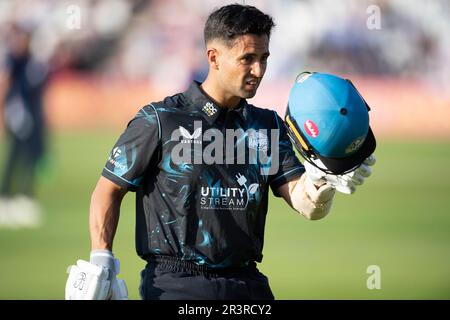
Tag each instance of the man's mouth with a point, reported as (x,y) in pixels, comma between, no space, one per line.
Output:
(252,82)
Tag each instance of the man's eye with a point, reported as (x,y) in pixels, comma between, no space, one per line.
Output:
(247,59)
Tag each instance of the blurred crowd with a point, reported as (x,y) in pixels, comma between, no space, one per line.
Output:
(162,41)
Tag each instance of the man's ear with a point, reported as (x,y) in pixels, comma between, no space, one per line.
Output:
(213,58)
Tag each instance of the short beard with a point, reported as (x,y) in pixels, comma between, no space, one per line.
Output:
(248,95)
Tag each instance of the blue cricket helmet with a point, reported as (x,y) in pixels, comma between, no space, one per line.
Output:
(327,119)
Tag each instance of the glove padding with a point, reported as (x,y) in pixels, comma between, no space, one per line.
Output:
(318,193)
(312,201)
(89,281)
(345,183)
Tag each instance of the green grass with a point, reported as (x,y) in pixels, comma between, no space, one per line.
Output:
(399,220)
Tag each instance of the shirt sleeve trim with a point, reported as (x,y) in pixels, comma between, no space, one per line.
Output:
(129,182)
(286,173)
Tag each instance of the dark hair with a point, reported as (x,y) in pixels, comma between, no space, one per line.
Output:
(234,20)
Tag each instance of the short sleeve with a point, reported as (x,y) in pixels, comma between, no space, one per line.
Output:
(135,151)
(290,167)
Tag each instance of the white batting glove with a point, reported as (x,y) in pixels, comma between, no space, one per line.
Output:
(345,183)
(97,279)
(312,201)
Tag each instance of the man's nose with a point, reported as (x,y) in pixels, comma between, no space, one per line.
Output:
(258,70)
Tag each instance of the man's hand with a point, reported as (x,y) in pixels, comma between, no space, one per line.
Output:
(345,183)
(96,280)
(313,202)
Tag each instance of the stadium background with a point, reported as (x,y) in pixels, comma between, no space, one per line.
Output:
(127,53)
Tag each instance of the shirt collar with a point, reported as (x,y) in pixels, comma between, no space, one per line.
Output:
(204,105)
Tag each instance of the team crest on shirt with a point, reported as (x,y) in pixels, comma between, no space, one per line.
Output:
(258,140)
(209,109)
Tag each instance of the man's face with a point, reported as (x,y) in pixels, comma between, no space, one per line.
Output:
(19,42)
(242,65)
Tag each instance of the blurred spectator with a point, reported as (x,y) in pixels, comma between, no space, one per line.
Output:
(154,40)
(24,124)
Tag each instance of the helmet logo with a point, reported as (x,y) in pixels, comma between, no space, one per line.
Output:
(311,128)
(355,145)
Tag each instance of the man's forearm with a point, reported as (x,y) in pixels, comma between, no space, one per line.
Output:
(104,215)
(4,85)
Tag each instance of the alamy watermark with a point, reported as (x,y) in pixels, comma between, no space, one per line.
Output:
(373,21)
(374,279)
(73,19)
(230,146)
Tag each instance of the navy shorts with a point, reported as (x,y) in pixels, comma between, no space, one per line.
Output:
(168,278)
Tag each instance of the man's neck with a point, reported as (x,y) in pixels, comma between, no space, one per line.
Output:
(218,96)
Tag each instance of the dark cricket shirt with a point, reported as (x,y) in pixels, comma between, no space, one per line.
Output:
(201,175)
